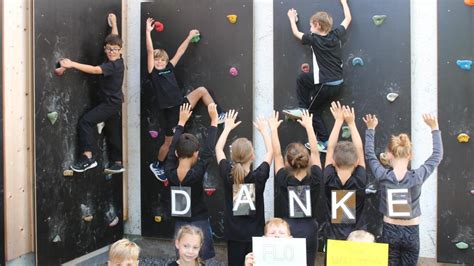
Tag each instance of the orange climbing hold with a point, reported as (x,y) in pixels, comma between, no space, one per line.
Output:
(469,2)
(463,138)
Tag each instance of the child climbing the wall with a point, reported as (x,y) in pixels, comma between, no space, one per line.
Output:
(316,90)
(297,181)
(185,169)
(123,252)
(243,188)
(161,72)
(400,189)
(344,175)
(110,106)
(188,241)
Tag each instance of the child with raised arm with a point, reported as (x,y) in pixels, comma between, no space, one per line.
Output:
(315,90)
(161,72)
(297,180)
(110,106)
(344,173)
(185,169)
(400,189)
(243,189)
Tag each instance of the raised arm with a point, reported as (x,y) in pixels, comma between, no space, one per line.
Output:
(347,14)
(229,125)
(150,59)
(184,114)
(307,122)
(274,124)
(377,169)
(112,20)
(349,117)
(433,161)
(67,63)
(337,113)
(261,125)
(182,48)
(292,14)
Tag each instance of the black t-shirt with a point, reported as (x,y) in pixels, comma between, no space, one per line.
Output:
(328,53)
(283,180)
(174,263)
(166,87)
(253,224)
(111,81)
(357,181)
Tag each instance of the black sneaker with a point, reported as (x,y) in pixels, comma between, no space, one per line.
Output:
(84,164)
(115,168)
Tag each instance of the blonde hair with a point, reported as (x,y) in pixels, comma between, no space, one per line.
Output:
(323,19)
(160,53)
(191,230)
(241,153)
(276,222)
(361,236)
(297,156)
(345,154)
(123,250)
(400,146)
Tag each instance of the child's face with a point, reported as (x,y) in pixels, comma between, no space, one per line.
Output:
(160,63)
(313,27)
(113,52)
(128,262)
(188,247)
(278,231)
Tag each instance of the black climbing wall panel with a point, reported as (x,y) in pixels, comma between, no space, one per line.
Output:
(385,50)
(456,106)
(2,209)
(73,29)
(223,45)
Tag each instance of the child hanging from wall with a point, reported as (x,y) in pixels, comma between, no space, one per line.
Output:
(243,189)
(161,71)
(185,169)
(110,107)
(345,176)
(297,180)
(315,90)
(188,241)
(400,189)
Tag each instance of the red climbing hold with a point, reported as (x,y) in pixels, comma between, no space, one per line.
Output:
(469,2)
(59,70)
(159,27)
(166,183)
(209,191)
(305,68)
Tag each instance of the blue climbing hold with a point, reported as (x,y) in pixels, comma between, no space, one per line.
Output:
(464,64)
(357,61)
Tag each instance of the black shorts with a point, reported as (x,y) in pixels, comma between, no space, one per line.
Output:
(168,118)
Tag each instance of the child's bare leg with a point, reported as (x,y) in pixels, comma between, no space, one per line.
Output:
(199,93)
(88,154)
(164,148)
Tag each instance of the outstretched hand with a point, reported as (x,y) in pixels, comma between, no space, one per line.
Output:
(371,121)
(150,24)
(66,63)
(193,33)
(112,19)
(337,111)
(349,114)
(184,114)
(306,119)
(292,14)
(273,121)
(229,122)
(212,110)
(260,124)
(431,121)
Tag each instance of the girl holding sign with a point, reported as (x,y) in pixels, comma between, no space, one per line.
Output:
(244,212)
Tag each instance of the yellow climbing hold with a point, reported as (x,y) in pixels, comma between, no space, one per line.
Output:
(88,218)
(158,219)
(463,138)
(384,159)
(68,173)
(232,18)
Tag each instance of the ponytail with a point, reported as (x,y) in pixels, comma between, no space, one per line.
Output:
(400,146)
(241,153)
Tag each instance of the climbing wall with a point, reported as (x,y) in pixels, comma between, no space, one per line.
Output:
(2,208)
(74,214)
(223,45)
(456,106)
(385,53)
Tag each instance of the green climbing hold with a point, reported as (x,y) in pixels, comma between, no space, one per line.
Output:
(346,132)
(462,245)
(196,39)
(378,19)
(53,116)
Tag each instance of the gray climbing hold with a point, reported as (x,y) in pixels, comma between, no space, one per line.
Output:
(56,239)
(68,172)
(100,127)
(391,97)
(53,117)
(108,177)
(357,61)
(114,222)
(346,132)
(88,218)
(472,192)
(384,159)
(379,19)
(464,64)
(462,245)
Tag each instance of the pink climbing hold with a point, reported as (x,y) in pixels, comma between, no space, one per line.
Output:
(305,68)
(472,191)
(233,71)
(159,27)
(209,190)
(153,134)
(59,70)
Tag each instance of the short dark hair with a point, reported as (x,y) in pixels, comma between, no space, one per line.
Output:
(187,145)
(113,39)
(345,154)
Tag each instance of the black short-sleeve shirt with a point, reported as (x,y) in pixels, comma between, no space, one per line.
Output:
(166,87)
(111,81)
(254,224)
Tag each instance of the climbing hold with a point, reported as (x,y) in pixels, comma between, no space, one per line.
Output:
(114,222)
(100,127)
(464,64)
(232,18)
(346,132)
(166,183)
(469,2)
(108,176)
(472,192)
(88,218)
(209,190)
(159,27)
(158,219)
(305,68)
(59,70)
(384,159)
(378,19)
(357,61)
(233,71)
(370,189)
(68,173)
(462,245)
(463,138)
(391,97)
(196,39)
(153,134)
(53,116)
(56,239)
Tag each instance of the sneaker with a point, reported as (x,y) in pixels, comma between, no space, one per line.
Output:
(221,118)
(158,171)
(84,164)
(115,168)
(322,146)
(294,113)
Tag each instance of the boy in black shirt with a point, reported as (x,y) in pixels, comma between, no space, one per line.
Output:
(317,89)
(110,107)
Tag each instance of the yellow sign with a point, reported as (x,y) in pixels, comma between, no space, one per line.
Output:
(348,253)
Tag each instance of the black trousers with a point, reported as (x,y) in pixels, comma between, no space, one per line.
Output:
(316,98)
(403,242)
(306,228)
(236,251)
(109,113)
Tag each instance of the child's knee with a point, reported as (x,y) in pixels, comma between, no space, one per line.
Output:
(202,91)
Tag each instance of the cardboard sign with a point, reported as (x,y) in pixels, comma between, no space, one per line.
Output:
(343,206)
(348,253)
(399,203)
(243,202)
(299,198)
(270,251)
(180,201)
